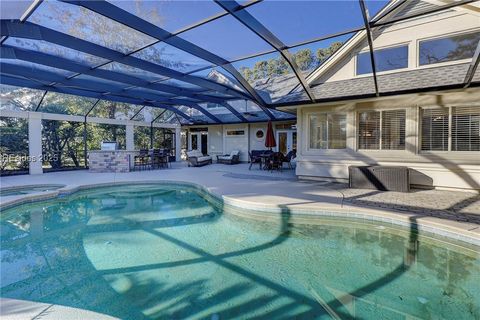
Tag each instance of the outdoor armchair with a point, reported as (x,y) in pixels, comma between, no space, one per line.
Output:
(232,158)
(196,158)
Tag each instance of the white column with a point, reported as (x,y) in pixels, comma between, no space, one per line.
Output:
(178,143)
(130,143)
(35,142)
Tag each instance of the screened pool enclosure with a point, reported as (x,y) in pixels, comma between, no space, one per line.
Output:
(104,70)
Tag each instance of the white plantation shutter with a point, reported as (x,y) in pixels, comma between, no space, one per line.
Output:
(393,130)
(435,129)
(369,130)
(337,131)
(328,131)
(466,128)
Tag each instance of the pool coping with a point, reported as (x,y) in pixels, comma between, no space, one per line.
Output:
(272,212)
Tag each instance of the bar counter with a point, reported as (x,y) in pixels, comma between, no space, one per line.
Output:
(111,160)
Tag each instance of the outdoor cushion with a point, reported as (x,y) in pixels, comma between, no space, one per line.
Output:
(194,153)
(230,157)
(204,158)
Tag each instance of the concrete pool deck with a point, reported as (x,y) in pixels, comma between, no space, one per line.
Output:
(456,211)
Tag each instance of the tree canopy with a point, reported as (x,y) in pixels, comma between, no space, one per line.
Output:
(305,59)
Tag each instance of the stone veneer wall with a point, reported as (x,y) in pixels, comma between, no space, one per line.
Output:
(109,161)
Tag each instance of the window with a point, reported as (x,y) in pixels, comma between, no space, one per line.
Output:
(385,60)
(464,126)
(328,131)
(235,132)
(369,130)
(435,129)
(466,129)
(383,130)
(393,130)
(448,49)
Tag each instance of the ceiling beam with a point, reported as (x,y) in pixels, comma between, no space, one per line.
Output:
(370,44)
(50,77)
(259,29)
(9,52)
(234,111)
(47,76)
(202,110)
(33,31)
(126,18)
(33,6)
(19,82)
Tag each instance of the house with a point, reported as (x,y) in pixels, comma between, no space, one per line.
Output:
(435,133)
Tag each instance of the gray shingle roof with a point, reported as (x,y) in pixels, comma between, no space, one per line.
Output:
(389,83)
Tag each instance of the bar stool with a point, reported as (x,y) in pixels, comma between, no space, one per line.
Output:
(141,160)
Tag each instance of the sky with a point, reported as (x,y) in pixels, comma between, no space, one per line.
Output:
(291,21)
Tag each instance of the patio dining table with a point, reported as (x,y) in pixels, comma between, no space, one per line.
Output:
(264,158)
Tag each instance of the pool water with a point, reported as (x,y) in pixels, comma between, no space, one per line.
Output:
(18,191)
(165,252)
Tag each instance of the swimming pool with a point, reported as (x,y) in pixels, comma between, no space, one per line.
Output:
(18,191)
(166,252)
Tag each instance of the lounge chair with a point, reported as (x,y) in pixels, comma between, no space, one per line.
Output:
(196,158)
(232,158)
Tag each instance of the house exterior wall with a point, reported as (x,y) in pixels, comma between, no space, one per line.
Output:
(409,32)
(215,141)
(239,142)
(443,169)
(257,143)
(219,143)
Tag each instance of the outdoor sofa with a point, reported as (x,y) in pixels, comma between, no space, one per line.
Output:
(232,158)
(196,158)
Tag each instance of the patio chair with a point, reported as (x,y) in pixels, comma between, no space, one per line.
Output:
(164,158)
(155,158)
(275,162)
(289,157)
(232,158)
(141,161)
(255,158)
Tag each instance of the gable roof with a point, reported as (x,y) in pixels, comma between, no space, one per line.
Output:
(400,8)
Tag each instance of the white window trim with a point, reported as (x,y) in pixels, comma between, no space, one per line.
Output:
(380,150)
